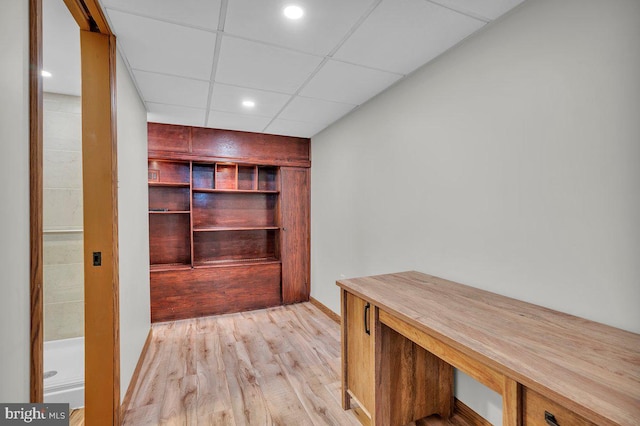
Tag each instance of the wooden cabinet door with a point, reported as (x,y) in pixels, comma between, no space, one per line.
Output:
(359,351)
(294,250)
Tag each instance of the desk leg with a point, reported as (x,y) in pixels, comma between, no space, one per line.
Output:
(346,400)
(511,403)
(410,382)
(381,407)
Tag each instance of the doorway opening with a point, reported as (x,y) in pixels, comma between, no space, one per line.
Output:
(98,211)
(63,266)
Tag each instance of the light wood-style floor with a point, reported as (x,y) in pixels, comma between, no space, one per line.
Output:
(76,418)
(278,366)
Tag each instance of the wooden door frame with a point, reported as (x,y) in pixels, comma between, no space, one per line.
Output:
(36,362)
(102,351)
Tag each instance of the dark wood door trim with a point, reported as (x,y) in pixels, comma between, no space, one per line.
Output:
(79,13)
(88,14)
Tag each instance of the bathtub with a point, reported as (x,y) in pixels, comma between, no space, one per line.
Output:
(65,358)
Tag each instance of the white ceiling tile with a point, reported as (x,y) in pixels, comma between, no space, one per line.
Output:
(164,40)
(152,45)
(314,110)
(166,89)
(401,35)
(294,128)
(323,25)
(171,114)
(488,9)
(229,98)
(346,83)
(230,121)
(248,64)
(200,13)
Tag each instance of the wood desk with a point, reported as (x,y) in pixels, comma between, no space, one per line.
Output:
(402,334)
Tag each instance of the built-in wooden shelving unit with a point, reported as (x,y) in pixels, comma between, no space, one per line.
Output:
(226,235)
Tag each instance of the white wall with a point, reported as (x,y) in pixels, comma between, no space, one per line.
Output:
(511,163)
(14,208)
(133,224)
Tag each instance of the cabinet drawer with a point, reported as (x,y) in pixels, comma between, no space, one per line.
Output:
(537,409)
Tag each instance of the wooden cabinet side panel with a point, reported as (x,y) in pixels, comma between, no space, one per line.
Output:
(295,212)
(359,354)
(210,291)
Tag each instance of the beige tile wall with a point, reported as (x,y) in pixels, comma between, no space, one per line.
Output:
(63,265)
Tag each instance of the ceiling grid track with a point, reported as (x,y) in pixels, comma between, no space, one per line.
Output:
(165,20)
(216,56)
(462,12)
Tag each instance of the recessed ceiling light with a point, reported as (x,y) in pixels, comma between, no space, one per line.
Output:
(293,12)
(45,73)
(247,103)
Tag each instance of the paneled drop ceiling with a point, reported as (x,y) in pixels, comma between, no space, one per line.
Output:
(195,61)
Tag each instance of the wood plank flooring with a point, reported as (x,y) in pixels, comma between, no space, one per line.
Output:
(77,417)
(278,366)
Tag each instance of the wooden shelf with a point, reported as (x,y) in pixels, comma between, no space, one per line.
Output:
(169,267)
(232,177)
(170,212)
(237,262)
(237,191)
(172,198)
(226,175)
(235,228)
(170,184)
(267,178)
(169,239)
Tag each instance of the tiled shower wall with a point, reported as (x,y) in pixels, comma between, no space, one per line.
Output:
(63,263)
